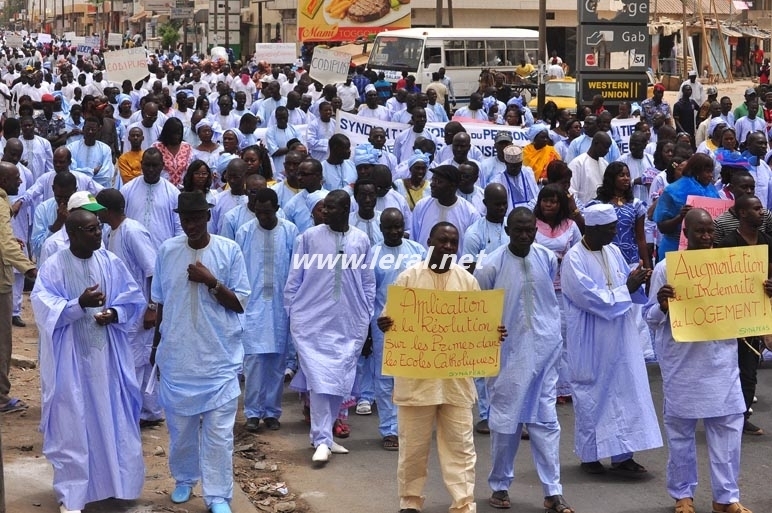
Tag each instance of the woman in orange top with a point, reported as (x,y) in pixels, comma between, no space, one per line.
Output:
(540,152)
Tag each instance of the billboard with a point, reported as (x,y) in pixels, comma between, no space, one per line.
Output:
(347,20)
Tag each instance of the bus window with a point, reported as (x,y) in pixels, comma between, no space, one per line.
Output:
(397,53)
(432,56)
(454,53)
(495,53)
(475,53)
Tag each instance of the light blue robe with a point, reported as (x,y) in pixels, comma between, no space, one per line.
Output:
(88,369)
(371,227)
(524,390)
(330,309)
(45,215)
(89,157)
(521,188)
(38,155)
(604,354)
(42,189)
(201,341)
(284,192)
(338,176)
(153,206)
(297,211)
(268,256)
(226,201)
(276,138)
(429,212)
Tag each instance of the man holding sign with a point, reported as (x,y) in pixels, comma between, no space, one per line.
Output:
(448,402)
(700,381)
(524,391)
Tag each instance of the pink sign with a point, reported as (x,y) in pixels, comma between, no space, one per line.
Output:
(714,207)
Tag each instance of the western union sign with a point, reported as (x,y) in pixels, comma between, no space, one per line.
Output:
(614,87)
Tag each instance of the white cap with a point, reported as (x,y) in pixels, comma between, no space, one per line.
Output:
(599,215)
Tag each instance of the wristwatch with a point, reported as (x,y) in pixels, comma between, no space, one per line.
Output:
(214,290)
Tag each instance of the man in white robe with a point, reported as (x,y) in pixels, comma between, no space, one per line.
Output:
(131,242)
(314,298)
(310,181)
(403,143)
(319,131)
(603,350)
(151,125)
(587,169)
(199,307)
(524,391)
(267,244)
(151,200)
(700,380)
(52,213)
(85,301)
(517,179)
(38,154)
(232,197)
(93,155)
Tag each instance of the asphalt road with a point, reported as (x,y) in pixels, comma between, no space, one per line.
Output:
(365,479)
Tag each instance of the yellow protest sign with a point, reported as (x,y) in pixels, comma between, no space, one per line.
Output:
(719,293)
(442,334)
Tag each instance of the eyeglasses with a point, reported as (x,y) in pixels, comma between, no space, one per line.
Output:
(200,173)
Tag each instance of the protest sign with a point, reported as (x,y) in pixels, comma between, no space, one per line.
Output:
(357,129)
(13,41)
(719,293)
(329,66)
(714,207)
(129,64)
(276,53)
(69,36)
(114,39)
(623,129)
(44,38)
(442,334)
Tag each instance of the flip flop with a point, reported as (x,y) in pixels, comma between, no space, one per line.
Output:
(13,405)
(629,467)
(391,443)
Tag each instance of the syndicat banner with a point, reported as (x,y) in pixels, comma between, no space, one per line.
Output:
(347,20)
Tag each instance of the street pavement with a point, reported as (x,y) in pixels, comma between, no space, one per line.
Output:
(365,479)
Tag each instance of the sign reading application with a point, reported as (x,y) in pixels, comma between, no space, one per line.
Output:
(441,334)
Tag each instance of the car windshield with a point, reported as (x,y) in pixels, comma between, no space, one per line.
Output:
(396,53)
(567,89)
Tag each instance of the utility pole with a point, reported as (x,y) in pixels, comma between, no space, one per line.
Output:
(227,24)
(540,95)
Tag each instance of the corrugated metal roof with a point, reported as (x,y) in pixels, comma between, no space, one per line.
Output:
(673,7)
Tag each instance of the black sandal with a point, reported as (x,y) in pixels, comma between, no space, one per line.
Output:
(630,467)
(556,504)
(500,500)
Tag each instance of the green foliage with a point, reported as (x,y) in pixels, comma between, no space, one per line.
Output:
(170,34)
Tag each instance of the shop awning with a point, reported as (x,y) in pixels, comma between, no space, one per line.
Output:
(137,18)
(730,31)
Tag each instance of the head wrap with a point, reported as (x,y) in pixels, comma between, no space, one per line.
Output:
(418,156)
(599,214)
(536,129)
(714,122)
(222,162)
(366,153)
(732,158)
(315,197)
(122,98)
(239,137)
(488,102)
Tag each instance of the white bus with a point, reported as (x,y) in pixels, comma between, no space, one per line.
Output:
(463,52)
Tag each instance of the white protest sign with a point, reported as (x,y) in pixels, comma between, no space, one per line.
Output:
(623,129)
(276,53)
(69,36)
(114,39)
(13,41)
(329,66)
(44,38)
(130,64)
(78,41)
(357,129)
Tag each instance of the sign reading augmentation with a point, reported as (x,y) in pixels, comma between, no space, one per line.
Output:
(440,334)
(719,293)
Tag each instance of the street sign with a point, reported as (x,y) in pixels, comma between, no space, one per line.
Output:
(617,12)
(181,13)
(622,47)
(217,23)
(614,88)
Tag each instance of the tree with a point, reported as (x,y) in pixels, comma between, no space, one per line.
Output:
(170,34)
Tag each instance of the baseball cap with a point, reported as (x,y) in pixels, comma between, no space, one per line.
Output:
(84,200)
(750,91)
(712,90)
(503,136)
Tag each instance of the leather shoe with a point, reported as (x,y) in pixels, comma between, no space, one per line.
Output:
(272,423)
(220,507)
(181,494)
(482,427)
(336,448)
(253,424)
(18,322)
(322,454)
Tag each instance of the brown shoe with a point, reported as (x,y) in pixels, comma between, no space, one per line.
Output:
(734,507)
(685,505)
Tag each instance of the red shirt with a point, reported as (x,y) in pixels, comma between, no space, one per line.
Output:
(758,55)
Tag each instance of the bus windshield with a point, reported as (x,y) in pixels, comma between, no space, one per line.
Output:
(396,53)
